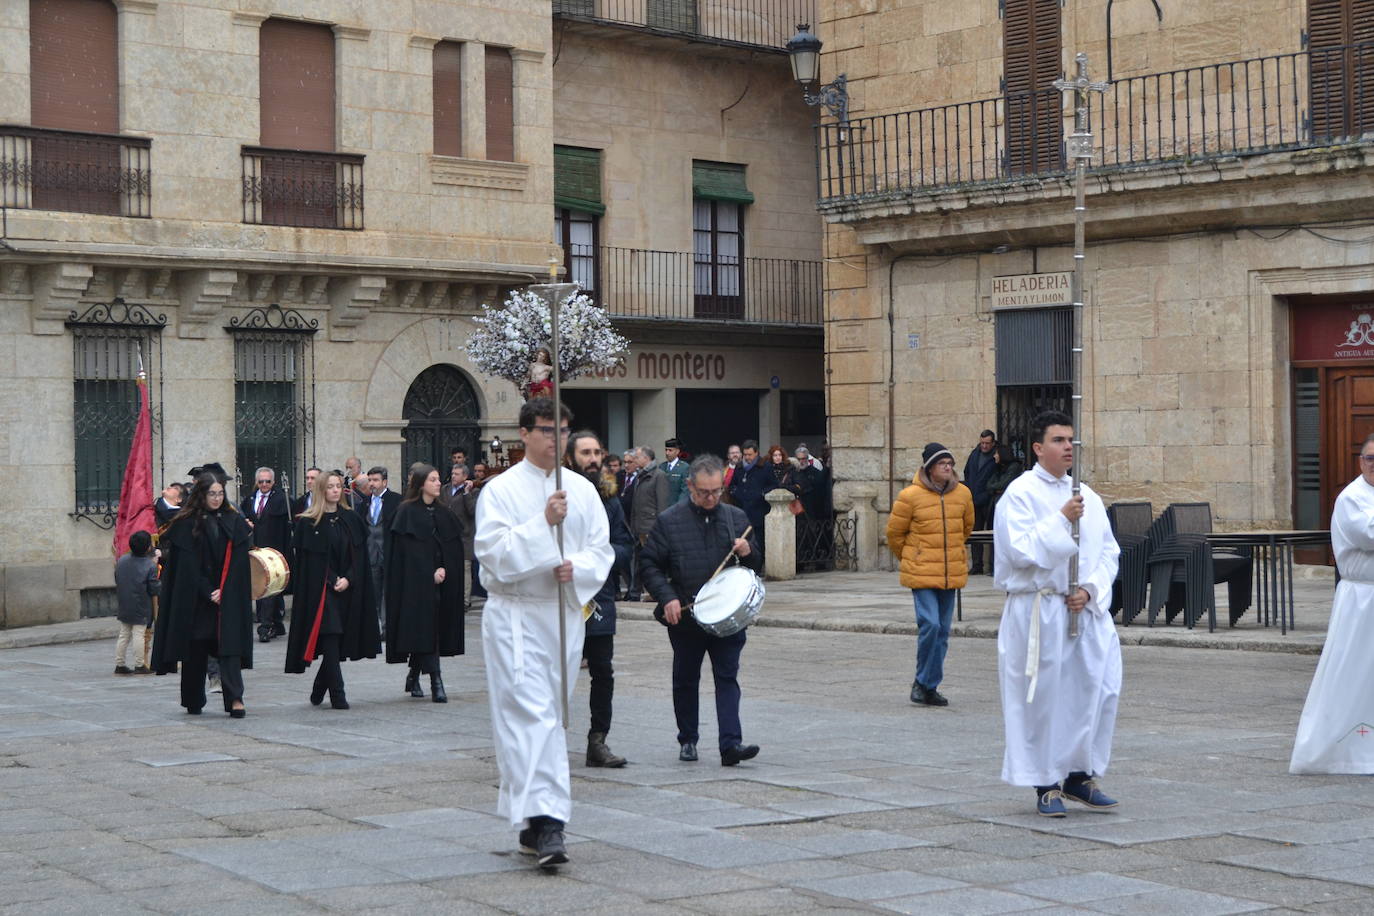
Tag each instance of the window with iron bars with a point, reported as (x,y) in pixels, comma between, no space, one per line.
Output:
(111,343)
(274,393)
(1034,371)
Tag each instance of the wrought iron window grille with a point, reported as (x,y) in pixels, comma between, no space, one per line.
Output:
(75,171)
(274,392)
(111,342)
(442,413)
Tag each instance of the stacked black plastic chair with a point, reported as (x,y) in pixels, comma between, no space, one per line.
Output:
(1184,569)
(1131,525)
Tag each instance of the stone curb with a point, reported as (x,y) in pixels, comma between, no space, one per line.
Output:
(1129,636)
(108,628)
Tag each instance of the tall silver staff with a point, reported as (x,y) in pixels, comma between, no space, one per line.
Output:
(1080,149)
(554,293)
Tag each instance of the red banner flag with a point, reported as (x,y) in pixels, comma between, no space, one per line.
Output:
(136,493)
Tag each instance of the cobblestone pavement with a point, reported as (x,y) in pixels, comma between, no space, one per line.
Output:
(113,801)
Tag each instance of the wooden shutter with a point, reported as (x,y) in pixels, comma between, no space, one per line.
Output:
(1341,67)
(500,87)
(74,65)
(720,181)
(296,74)
(674,15)
(448,99)
(1031,53)
(577,179)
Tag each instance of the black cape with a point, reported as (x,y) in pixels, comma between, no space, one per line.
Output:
(311,575)
(191,571)
(273,527)
(421,617)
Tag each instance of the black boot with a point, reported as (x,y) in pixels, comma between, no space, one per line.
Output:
(598,754)
(436,688)
(413,684)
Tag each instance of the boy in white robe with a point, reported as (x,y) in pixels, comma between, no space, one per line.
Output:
(517,545)
(1059,693)
(1336,731)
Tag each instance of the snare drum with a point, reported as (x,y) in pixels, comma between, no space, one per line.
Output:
(729,602)
(269,572)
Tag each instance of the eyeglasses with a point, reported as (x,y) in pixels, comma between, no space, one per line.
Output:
(1369,458)
(548,430)
(709,494)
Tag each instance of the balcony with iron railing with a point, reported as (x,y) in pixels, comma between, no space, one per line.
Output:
(303,188)
(677,286)
(75,171)
(756,24)
(1284,102)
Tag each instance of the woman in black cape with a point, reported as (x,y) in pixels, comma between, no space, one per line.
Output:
(424,584)
(333,616)
(207,597)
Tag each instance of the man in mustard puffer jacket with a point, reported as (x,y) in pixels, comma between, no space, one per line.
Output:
(929,526)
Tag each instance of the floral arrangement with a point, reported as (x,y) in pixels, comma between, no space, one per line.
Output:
(507,338)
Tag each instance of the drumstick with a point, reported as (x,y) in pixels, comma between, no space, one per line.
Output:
(747,529)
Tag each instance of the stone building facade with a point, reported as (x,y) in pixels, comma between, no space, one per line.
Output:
(288,212)
(1229,266)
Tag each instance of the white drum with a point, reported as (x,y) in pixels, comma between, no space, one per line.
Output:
(729,602)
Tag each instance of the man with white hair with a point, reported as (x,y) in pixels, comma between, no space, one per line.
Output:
(268,515)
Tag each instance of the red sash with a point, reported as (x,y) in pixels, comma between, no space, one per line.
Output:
(219,607)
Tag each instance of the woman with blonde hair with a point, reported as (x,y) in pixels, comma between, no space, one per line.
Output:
(333,616)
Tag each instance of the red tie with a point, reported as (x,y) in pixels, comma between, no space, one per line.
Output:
(262,498)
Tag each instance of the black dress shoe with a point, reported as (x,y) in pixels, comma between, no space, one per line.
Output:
(264,634)
(436,689)
(316,695)
(413,684)
(688,754)
(193,712)
(733,755)
(338,700)
(935,698)
(549,847)
(278,629)
(237,713)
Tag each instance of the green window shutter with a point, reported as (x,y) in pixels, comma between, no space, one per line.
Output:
(577,179)
(720,181)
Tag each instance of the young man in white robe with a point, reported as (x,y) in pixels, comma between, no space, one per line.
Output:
(1336,731)
(1059,693)
(516,542)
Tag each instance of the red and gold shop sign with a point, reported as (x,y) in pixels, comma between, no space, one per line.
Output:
(1330,332)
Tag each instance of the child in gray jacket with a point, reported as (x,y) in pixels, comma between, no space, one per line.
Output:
(136,585)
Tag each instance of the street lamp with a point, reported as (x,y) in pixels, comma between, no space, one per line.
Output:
(804,52)
(496,450)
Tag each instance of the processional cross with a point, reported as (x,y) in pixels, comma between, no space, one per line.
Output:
(1080,150)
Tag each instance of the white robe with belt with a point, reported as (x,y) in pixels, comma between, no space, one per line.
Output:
(1068,725)
(1336,731)
(518,551)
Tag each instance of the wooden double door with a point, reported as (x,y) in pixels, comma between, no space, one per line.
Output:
(1333,415)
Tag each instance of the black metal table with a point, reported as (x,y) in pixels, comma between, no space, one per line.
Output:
(1273,567)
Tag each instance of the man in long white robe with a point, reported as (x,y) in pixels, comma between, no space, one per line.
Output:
(1336,731)
(1059,693)
(517,544)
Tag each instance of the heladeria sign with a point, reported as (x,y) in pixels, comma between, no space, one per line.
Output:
(1031,290)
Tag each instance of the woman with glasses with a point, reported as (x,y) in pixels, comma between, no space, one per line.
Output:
(207,589)
(424,584)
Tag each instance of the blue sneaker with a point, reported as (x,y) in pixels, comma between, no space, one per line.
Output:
(1051,804)
(1086,792)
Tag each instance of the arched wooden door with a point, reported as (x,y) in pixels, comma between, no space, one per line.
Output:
(442,413)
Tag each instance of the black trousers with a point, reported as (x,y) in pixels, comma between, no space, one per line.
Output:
(477,590)
(193,675)
(598,651)
(425,662)
(330,674)
(982,521)
(690,645)
(270,611)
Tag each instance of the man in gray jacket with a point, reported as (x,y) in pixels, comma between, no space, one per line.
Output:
(651,496)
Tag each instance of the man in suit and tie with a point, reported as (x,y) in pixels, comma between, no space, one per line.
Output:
(307,498)
(461,498)
(168,504)
(267,513)
(378,512)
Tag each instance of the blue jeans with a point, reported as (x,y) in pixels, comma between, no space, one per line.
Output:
(934,613)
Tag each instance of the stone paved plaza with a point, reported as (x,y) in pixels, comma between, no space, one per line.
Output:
(114,801)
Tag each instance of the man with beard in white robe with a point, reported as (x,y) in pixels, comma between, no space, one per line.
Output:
(517,545)
(1336,731)
(1059,693)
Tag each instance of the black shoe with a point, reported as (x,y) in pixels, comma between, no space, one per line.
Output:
(237,713)
(316,695)
(918,695)
(338,700)
(193,711)
(436,689)
(413,684)
(631,597)
(528,838)
(123,669)
(143,669)
(733,755)
(599,755)
(278,629)
(548,844)
(935,698)
(264,634)
(688,754)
